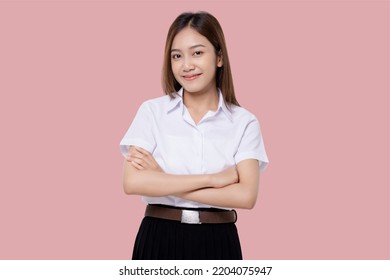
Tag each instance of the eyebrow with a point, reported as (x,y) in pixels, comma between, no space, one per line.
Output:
(192,47)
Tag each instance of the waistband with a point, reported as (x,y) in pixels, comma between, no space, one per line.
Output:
(191,215)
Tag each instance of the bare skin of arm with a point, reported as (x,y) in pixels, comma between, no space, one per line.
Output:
(143,176)
(223,192)
(242,194)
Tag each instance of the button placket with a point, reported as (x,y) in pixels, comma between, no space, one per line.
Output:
(201,149)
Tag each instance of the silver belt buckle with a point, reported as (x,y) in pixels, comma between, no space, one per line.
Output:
(190,217)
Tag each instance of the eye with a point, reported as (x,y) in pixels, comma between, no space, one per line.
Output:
(176,56)
(198,53)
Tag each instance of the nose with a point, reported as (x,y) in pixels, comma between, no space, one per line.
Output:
(188,65)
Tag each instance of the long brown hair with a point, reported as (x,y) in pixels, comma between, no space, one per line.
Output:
(208,26)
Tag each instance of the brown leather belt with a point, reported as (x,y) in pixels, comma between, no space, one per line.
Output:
(192,216)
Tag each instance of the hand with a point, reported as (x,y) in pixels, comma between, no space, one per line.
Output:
(226,177)
(142,159)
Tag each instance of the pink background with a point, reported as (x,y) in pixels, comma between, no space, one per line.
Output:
(316,73)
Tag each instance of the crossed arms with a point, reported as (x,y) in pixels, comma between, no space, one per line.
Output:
(235,187)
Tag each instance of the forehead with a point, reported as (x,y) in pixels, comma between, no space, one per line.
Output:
(188,37)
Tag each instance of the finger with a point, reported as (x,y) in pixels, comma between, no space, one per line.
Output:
(148,155)
(137,155)
(136,165)
(145,155)
(142,151)
(149,161)
(139,161)
(138,152)
(132,149)
(145,162)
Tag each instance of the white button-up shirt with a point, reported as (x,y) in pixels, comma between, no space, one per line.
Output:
(164,127)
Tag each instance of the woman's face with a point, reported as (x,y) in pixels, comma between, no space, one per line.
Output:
(194,61)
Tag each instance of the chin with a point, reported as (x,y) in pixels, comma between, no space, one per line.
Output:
(192,89)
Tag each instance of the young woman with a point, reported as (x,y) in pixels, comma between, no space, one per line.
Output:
(194,154)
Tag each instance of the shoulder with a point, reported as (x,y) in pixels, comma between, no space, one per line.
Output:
(158,101)
(157,104)
(242,115)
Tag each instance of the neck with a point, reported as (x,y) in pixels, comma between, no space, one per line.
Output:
(201,101)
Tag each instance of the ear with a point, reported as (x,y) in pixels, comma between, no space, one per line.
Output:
(219,59)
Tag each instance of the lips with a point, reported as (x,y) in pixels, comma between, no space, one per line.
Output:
(191,77)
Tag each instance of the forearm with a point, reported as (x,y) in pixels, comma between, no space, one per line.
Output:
(232,196)
(153,183)
(237,195)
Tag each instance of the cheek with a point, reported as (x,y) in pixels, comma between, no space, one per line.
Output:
(175,68)
(175,72)
(210,64)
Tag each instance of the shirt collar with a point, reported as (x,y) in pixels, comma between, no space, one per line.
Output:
(223,106)
(174,102)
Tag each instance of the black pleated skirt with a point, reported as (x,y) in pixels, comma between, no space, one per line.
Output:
(161,239)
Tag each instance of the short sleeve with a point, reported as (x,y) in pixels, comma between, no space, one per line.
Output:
(252,145)
(140,132)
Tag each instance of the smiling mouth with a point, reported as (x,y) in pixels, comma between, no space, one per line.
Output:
(191,77)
